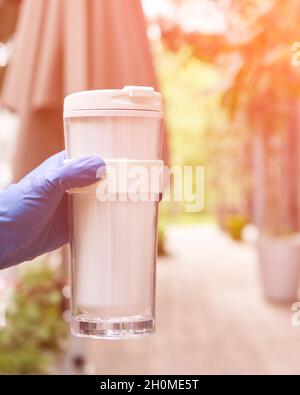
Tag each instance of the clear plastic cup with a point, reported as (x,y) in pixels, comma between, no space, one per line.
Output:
(114,231)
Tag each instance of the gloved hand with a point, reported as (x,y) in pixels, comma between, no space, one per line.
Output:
(34,212)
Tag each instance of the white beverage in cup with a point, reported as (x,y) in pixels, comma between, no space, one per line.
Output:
(113,246)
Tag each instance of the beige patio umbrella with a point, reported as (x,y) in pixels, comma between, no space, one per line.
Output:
(66,46)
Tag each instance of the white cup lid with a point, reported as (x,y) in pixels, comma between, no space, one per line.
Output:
(128,98)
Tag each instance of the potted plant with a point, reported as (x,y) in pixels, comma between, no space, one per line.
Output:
(279,263)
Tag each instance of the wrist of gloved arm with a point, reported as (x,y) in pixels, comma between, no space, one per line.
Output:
(34,212)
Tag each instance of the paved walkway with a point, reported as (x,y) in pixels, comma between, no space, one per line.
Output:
(211,317)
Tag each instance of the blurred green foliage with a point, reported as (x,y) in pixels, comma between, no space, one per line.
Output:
(191,108)
(35,329)
(193,117)
(200,133)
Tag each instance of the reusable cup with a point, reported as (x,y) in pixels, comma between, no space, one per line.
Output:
(114,222)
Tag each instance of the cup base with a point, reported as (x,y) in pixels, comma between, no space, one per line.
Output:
(113,328)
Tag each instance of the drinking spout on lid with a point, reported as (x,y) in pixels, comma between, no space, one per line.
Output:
(139,91)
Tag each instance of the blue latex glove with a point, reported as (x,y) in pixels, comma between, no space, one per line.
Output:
(34,212)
